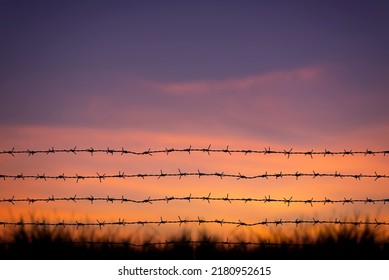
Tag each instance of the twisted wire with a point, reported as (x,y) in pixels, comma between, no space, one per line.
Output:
(199,221)
(167,243)
(208,198)
(189,150)
(200,174)
(208,242)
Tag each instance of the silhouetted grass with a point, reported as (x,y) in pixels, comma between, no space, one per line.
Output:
(329,242)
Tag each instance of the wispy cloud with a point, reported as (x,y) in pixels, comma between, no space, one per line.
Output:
(241,85)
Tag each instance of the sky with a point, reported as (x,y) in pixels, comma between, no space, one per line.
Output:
(170,74)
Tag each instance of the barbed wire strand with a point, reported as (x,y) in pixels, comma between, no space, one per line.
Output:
(189,150)
(193,243)
(204,242)
(199,221)
(200,174)
(208,198)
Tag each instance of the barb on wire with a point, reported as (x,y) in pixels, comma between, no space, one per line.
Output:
(208,150)
(199,221)
(199,174)
(190,198)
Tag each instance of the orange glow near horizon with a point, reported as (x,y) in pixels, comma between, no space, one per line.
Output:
(304,188)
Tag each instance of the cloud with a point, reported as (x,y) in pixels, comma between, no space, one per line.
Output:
(301,105)
(244,84)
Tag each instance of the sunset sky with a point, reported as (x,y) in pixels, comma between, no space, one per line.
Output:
(307,75)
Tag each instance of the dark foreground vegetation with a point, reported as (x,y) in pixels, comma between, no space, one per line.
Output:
(332,243)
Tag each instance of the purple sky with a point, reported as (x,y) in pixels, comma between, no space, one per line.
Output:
(112,64)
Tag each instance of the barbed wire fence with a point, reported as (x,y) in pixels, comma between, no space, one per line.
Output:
(199,174)
(207,198)
(199,221)
(208,150)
